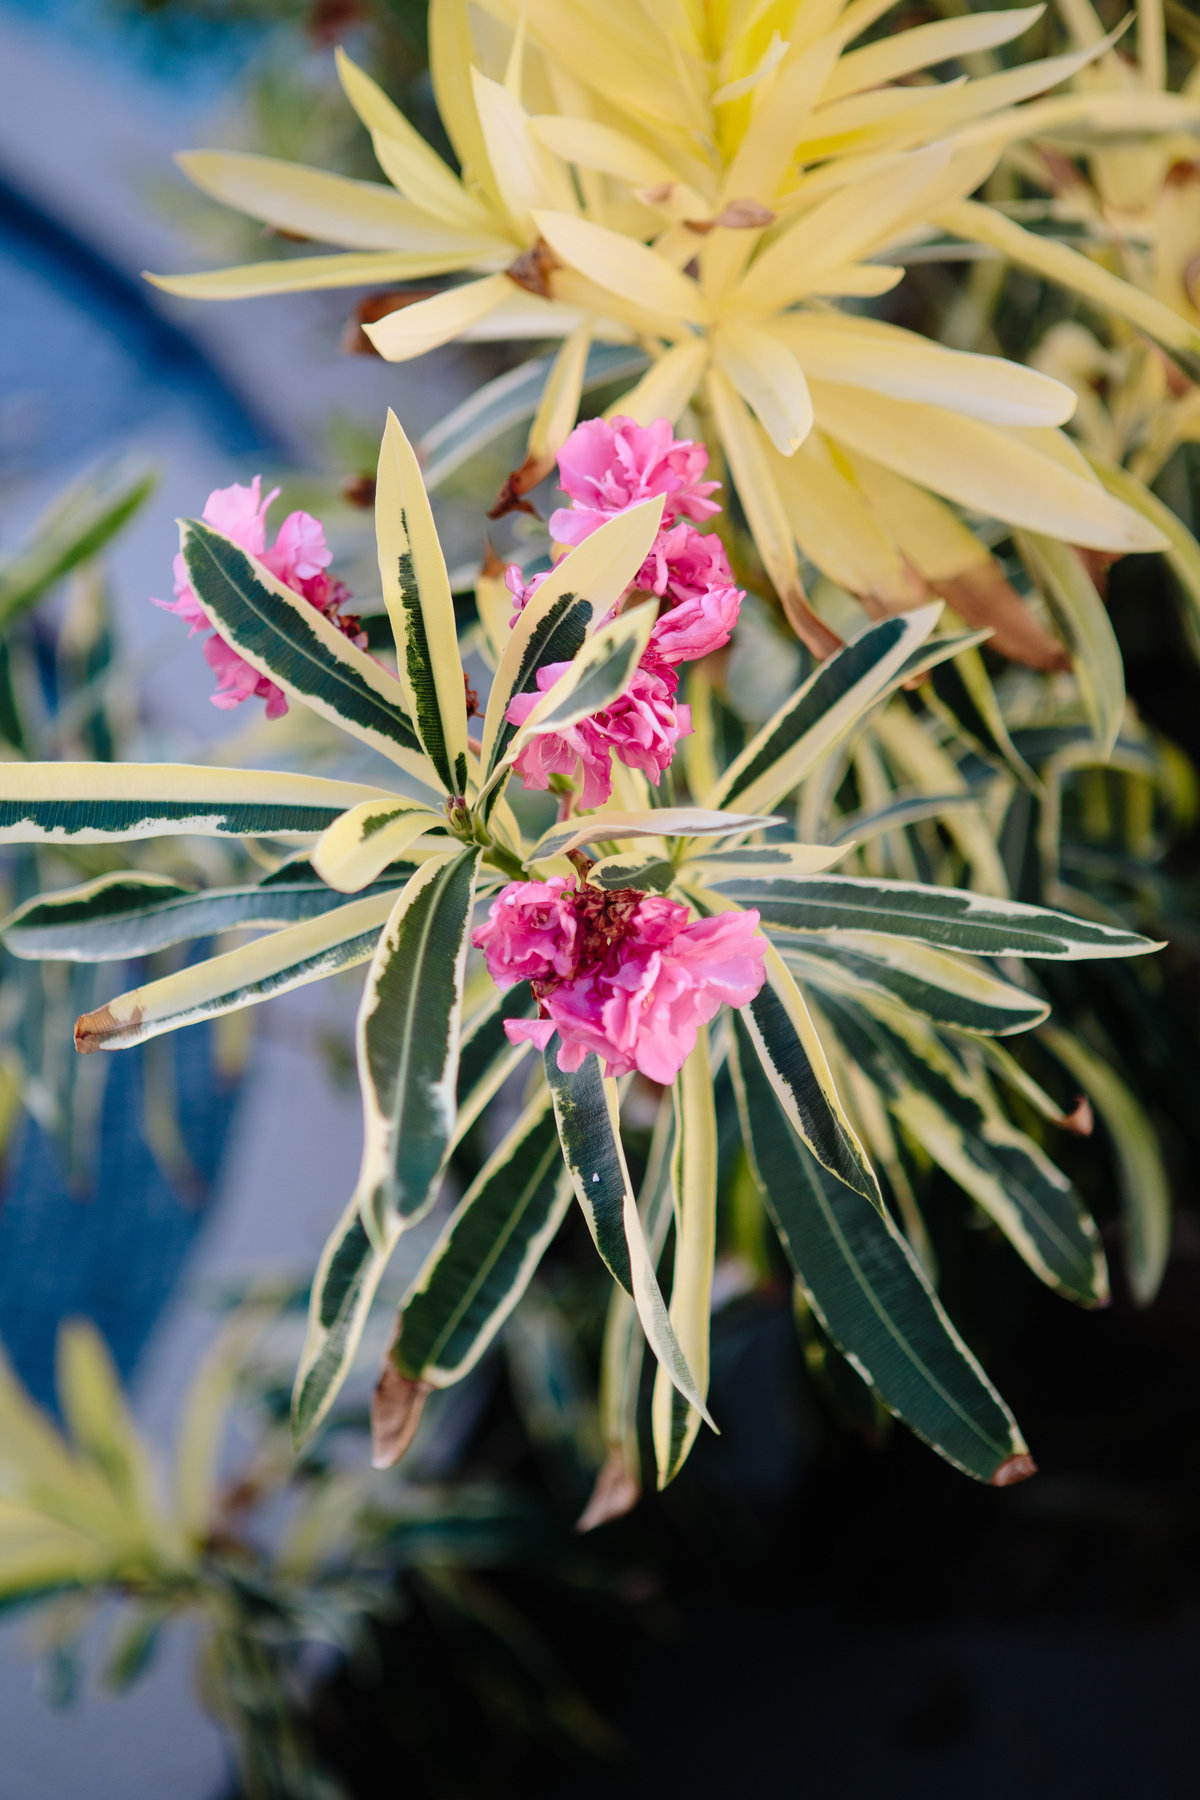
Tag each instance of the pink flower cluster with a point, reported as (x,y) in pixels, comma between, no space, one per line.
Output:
(605,467)
(299,558)
(625,974)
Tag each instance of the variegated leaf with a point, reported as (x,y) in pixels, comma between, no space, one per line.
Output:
(132,914)
(270,965)
(871,1295)
(822,711)
(951,918)
(941,987)
(420,605)
(779,1025)
(285,638)
(964,1131)
(354,850)
(585,1108)
(489,1249)
(409,1025)
(95,803)
(694,1188)
(569,603)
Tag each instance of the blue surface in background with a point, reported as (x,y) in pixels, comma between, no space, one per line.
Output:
(85,358)
(116,1255)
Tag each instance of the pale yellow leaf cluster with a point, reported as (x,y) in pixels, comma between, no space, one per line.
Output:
(710,181)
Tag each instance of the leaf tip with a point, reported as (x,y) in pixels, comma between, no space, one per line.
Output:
(396,1408)
(1015,1468)
(617,1492)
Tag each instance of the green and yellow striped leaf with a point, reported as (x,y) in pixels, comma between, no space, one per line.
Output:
(483,1261)
(575,596)
(822,711)
(351,1266)
(585,1107)
(598,675)
(270,965)
(420,605)
(939,986)
(95,803)
(361,844)
(958,1122)
(612,824)
(780,1027)
(871,1295)
(131,914)
(1082,618)
(409,1026)
(950,918)
(343,1288)
(1141,1173)
(694,1189)
(278,633)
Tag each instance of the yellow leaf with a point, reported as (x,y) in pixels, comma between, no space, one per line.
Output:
(310,274)
(770,380)
(356,215)
(623,266)
(866,353)
(667,386)
(834,233)
(1059,263)
(430,323)
(926,45)
(987,467)
(525,172)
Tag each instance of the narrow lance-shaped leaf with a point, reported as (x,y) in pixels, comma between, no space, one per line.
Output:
(961,1127)
(420,605)
(1082,617)
(786,1041)
(597,676)
(351,1266)
(132,913)
(270,965)
(285,638)
(618,1484)
(952,918)
(613,823)
(871,1296)
(569,602)
(95,803)
(1141,1173)
(694,1187)
(941,987)
(408,1035)
(585,1107)
(78,527)
(821,712)
(355,850)
(482,1263)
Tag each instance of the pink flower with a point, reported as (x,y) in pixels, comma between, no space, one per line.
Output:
(530,932)
(693,628)
(642,727)
(299,558)
(521,590)
(683,562)
(628,976)
(606,465)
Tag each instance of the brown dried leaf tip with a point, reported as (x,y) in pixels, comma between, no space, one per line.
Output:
(373,307)
(533,268)
(617,1491)
(396,1408)
(97,1030)
(1017,1468)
